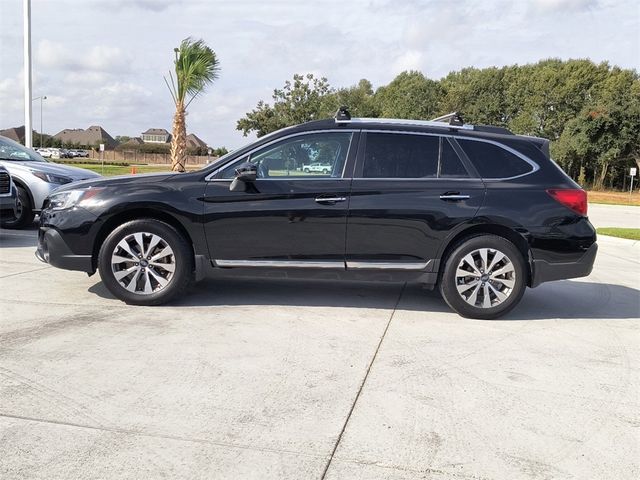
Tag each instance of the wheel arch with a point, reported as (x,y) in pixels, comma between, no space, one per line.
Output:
(22,184)
(519,239)
(136,214)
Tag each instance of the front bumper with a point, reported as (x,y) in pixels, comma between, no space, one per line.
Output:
(52,249)
(544,271)
(8,205)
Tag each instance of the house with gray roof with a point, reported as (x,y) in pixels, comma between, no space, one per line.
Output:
(90,137)
(156,135)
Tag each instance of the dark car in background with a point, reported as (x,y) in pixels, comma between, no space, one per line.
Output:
(476,211)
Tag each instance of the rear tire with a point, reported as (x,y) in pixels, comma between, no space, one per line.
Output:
(24,211)
(146,262)
(484,277)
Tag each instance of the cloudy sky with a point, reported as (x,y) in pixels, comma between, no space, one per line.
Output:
(102,61)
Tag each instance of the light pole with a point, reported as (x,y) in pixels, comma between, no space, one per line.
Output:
(28,141)
(43,97)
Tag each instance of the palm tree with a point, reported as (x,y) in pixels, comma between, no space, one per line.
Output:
(196,66)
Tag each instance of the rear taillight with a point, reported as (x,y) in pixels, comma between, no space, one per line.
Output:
(575,199)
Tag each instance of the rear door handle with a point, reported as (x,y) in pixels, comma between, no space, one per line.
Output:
(330,200)
(454,196)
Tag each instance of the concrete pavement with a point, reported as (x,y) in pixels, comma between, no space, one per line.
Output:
(315,379)
(625,216)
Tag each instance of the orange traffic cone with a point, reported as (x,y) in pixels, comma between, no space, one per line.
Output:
(133,170)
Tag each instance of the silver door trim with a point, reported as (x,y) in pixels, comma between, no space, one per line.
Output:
(455,197)
(281,263)
(374,265)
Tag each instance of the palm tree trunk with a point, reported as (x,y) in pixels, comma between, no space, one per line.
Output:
(179,140)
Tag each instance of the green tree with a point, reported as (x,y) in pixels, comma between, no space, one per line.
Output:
(299,101)
(410,95)
(196,67)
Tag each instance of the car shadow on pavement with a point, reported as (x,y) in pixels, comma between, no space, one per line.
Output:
(567,299)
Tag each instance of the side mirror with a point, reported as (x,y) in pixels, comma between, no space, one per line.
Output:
(245,173)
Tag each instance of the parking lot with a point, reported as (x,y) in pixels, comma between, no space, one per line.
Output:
(315,379)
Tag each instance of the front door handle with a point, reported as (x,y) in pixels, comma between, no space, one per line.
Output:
(454,196)
(330,200)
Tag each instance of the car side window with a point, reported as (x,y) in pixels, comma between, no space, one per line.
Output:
(314,155)
(493,161)
(403,155)
(393,155)
(450,164)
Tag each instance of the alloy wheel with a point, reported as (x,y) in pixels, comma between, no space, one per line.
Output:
(143,263)
(485,277)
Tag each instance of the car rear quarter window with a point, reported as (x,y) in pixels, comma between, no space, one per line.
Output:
(450,164)
(493,161)
(392,155)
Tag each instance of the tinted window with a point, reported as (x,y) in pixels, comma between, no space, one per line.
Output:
(302,156)
(450,164)
(391,155)
(493,161)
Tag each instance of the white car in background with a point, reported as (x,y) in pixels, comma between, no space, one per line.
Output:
(34,178)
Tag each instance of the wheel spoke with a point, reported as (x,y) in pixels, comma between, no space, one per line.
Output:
(120,259)
(120,274)
(147,282)
(496,259)
(131,286)
(469,260)
(163,282)
(169,267)
(507,282)
(473,298)
(508,268)
(484,253)
(152,244)
(464,287)
(486,300)
(460,273)
(501,296)
(163,253)
(139,243)
(125,246)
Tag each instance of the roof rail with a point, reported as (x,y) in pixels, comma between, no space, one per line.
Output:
(399,121)
(454,118)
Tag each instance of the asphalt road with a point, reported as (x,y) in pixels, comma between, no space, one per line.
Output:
(275,379)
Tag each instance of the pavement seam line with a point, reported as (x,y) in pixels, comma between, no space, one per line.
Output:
(364,380)
(125,431)
(22,273)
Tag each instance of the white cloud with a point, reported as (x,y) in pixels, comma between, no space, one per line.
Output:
(564,5)
(102,61)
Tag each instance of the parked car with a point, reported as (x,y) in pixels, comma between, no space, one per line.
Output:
(317,168)
(44,152)
(476,211)
(35,178)
(7,195)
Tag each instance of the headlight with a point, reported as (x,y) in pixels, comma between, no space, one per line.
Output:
(71,198)
(51,178)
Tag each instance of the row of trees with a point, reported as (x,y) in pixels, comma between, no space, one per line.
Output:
(591,112)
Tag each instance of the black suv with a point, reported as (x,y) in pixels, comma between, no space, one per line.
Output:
(475,210)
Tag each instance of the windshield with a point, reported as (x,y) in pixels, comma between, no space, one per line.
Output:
(13,151)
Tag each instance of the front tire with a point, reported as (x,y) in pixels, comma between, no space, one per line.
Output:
(24,211)
(146,262)
(484,277)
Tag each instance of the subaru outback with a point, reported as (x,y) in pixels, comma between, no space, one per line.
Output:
(475,211)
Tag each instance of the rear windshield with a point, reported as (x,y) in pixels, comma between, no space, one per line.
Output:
(493,161)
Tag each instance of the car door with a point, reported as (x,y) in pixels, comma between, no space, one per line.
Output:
(409,191)
(291,216)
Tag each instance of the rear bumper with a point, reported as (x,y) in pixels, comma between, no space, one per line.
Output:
(543,271)
(52,249)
